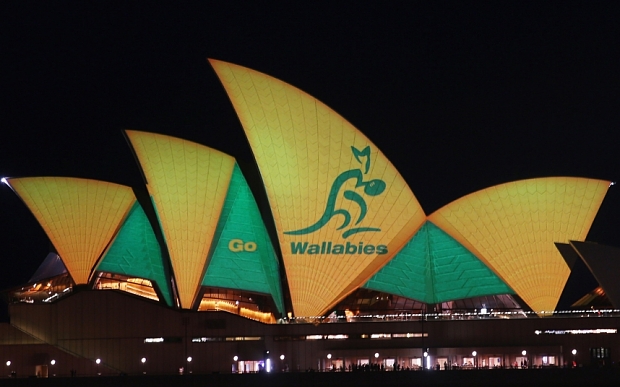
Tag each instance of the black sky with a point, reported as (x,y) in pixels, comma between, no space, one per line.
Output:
(459,95)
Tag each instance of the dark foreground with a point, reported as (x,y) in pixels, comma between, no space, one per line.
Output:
(537,377)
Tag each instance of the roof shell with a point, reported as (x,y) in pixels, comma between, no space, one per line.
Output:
(512,227)
(327,185)
(604,264)
(188,184)
(243,256)
(52,266)
(135,252)
(80,216)
(434,268)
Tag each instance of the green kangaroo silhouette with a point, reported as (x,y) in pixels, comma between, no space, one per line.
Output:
(371,188)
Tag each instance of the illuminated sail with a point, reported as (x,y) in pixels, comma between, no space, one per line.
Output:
(79,216)
(512,227)
(188,183)
(243,257)
(434,268)
(341,209)
(136,252)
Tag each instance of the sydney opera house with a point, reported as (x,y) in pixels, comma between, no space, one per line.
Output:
(327,261)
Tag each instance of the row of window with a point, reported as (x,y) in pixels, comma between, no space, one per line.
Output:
(372,336)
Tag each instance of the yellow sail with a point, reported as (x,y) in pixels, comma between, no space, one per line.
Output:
(188,183)
(512,227)
(341,209)
(80,216)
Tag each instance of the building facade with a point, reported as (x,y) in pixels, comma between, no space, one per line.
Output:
(341,269)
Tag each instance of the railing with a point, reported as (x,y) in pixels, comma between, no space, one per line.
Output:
(381,316)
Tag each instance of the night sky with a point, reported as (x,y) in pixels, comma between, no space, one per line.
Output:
(460,96)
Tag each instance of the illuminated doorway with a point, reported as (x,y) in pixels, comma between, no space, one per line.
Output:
(443,363)
(495,362)
(416,363)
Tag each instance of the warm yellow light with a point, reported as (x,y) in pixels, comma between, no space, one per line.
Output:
(327,185)
(188,183)
(210,304)
(512,227)
(79,216)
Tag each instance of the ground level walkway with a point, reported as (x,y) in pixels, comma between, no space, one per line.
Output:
(497,377)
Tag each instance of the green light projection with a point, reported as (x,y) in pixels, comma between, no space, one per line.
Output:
(433,268)
(135,252)
(243,257)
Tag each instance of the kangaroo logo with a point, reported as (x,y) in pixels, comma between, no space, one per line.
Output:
(371,188)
